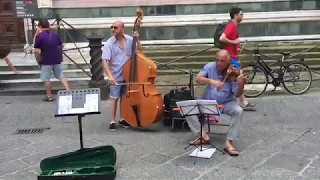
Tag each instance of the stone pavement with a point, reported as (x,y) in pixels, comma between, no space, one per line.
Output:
(279,141)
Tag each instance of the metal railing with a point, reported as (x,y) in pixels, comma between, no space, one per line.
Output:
(207,42)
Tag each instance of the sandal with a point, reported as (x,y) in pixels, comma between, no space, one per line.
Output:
(47,98)
(197,142)
(231,151)
(249,107)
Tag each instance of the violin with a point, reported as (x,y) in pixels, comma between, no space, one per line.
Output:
(230,73)
(142,104)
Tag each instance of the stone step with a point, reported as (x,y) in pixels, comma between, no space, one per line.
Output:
(162,70)
(35,74)
(187,50)
(27,82)
(312,57)
(263,50)
(35,83)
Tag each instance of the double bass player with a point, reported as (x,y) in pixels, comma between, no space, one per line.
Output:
(115,53)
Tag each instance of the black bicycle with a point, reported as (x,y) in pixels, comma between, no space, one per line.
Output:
(286,72)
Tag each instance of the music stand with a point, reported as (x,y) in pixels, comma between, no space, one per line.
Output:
(80,102)
(200,108)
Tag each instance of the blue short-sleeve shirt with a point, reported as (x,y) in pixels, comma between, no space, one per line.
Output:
(50,48)
(116,55)
(211,92)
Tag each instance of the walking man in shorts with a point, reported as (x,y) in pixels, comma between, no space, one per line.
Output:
(49,44)
(232,41)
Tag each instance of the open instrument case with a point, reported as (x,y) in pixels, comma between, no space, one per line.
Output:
(96,163)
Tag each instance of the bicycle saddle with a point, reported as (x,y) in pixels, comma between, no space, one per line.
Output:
(285,53)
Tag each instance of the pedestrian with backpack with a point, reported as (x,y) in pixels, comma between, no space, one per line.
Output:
(226,37)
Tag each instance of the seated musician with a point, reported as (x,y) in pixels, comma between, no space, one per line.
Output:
(225,94)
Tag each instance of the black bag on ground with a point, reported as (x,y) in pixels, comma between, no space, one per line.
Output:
(170,99)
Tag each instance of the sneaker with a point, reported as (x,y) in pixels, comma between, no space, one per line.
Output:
(113,126)
(124,123)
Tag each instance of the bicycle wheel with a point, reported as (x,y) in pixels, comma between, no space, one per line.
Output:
(255,73)
(295,75)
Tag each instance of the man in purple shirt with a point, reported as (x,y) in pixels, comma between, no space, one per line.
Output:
(115,53)
(225,94)
(50,45)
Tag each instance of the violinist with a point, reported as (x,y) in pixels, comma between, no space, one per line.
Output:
(224,91)
(116,51)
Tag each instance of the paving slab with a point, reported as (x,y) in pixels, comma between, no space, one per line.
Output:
(278,141)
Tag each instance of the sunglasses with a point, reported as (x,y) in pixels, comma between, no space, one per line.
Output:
(114,27)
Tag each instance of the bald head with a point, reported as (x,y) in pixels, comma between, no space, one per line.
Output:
(119,23)
(117,29)
(222,59)
(224,54)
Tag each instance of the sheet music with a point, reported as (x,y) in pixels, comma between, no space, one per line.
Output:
(190,107)
(77,111)
(91,104)
(65,104)
(208,106)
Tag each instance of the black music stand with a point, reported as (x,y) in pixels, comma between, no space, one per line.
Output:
(79,102)
(200,108)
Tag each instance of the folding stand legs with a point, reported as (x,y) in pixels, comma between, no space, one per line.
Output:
(80,130)
(201,138)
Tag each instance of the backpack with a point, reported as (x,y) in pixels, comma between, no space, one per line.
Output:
(170,99)
(217,34)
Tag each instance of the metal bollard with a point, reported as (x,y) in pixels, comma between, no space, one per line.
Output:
(97,79)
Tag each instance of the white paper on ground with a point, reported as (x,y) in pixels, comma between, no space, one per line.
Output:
(205,153)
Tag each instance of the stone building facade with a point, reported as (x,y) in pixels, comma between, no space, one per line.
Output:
(127,8)
(114,8)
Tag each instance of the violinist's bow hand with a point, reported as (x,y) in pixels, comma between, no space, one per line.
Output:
(241,79)
(136,34)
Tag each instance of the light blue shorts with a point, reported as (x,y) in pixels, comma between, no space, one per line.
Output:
(116,91)
(235,62)
(46,72)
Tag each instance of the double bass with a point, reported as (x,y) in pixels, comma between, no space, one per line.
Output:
(142,104)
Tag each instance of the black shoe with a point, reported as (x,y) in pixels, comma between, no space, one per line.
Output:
(124,123)
(113,126)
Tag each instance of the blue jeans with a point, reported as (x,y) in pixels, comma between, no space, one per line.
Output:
(235,62)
